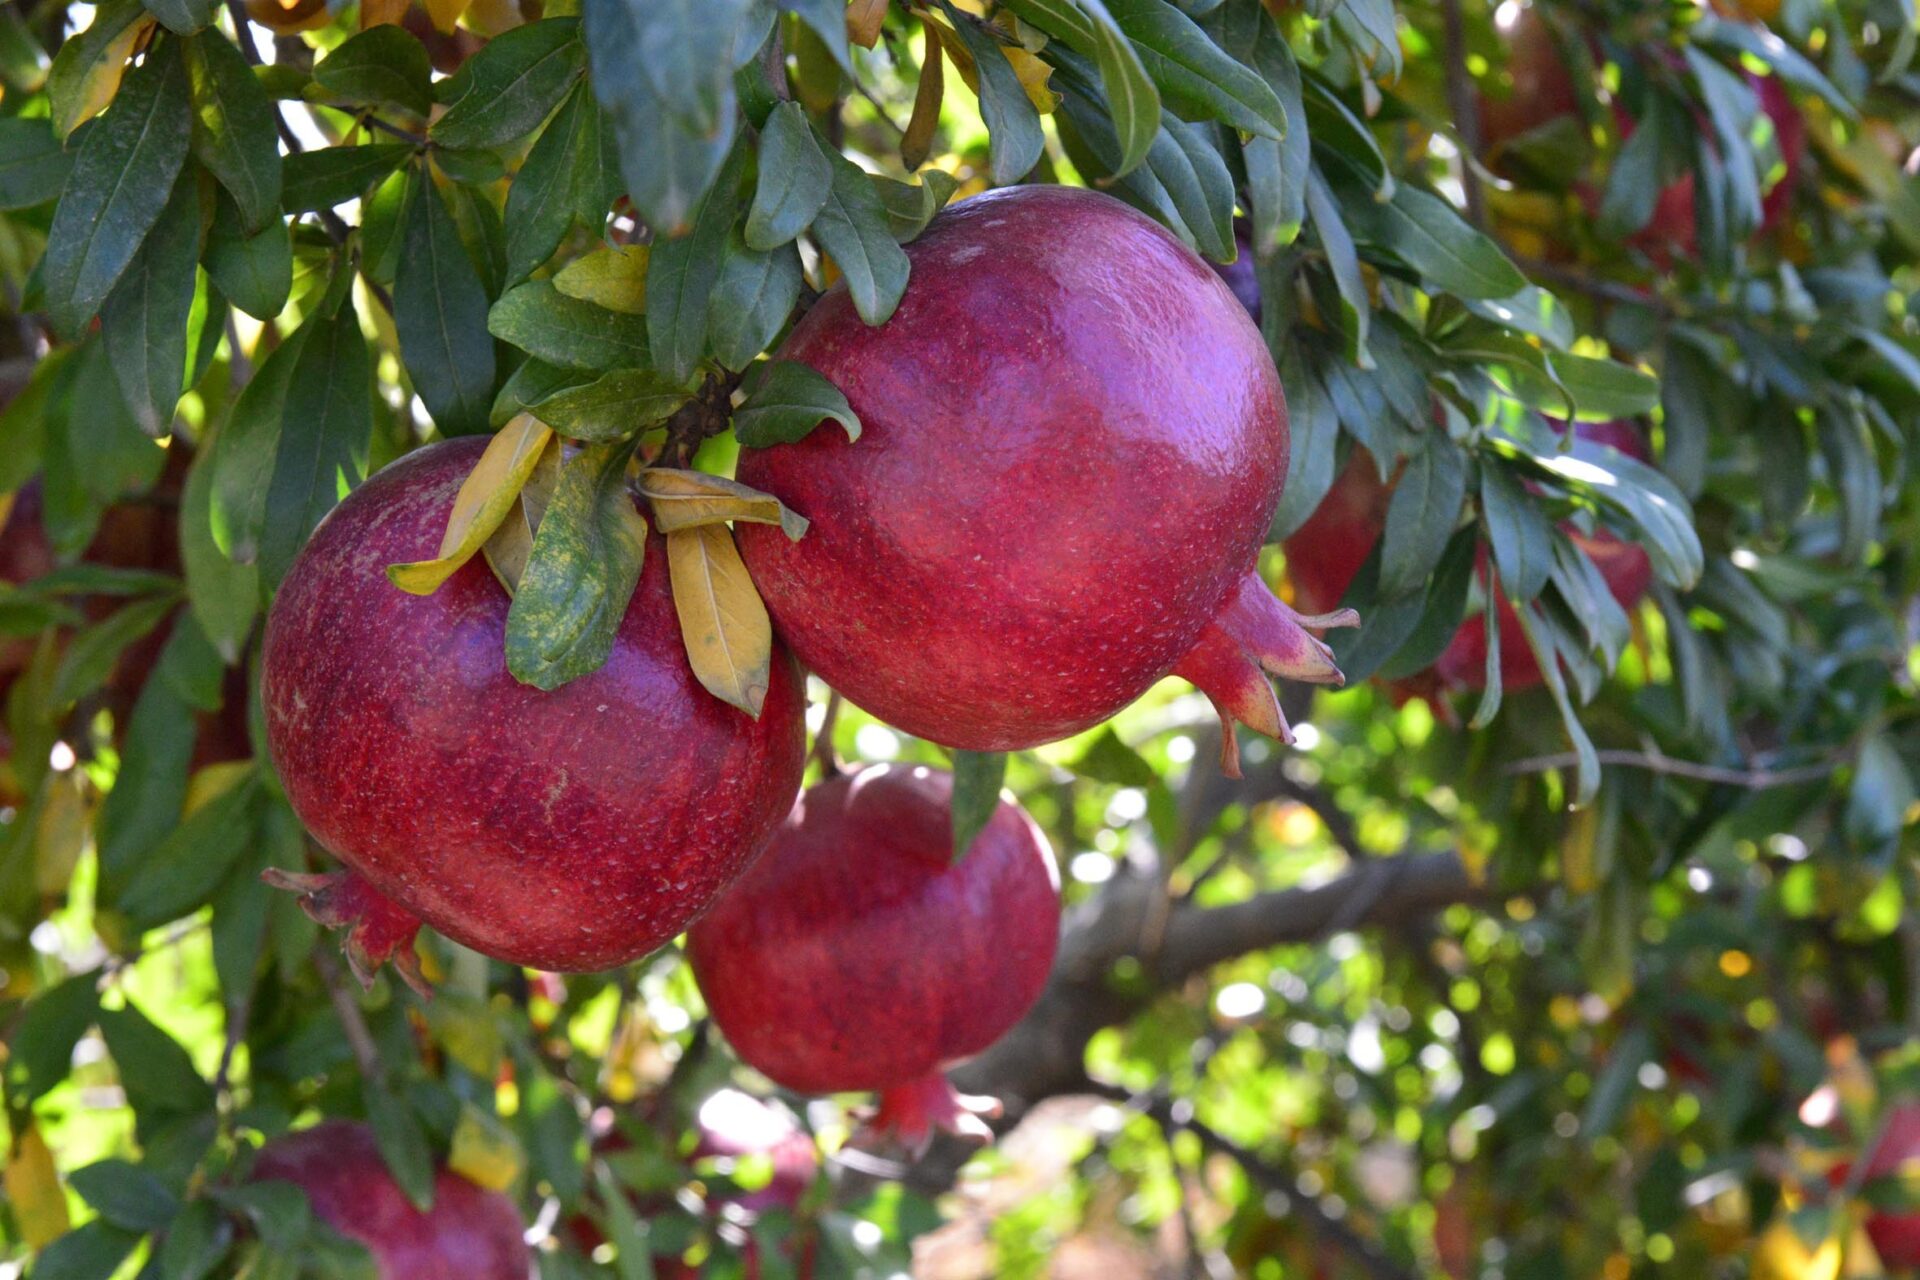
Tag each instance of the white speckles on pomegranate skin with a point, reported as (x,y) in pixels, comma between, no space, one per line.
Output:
(567,830)
(1074,438)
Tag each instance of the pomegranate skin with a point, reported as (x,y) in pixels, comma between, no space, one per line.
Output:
(856,954)
(469,1234)
(572,830)
(1074,438)
(1326,552)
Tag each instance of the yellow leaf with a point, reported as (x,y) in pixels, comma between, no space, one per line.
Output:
(961,56)
(614,278)
(62,834)
(102,80)
(1576,850)
(494,17)
(375,12)
(918,140)
(485,1152)
(445,13)
(507,550)
(33,1186)
(722,620)
(6,508)
(863,21)
(1033,75)
(212,782)
(484,499)
(464,1026)
(284,17)
(690,499)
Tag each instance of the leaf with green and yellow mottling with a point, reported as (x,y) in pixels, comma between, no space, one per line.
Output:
(33,1188)
(723,621)
(692,499)
(614,277)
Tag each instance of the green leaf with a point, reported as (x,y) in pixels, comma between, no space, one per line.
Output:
(1421,515)
(977,779)
(1854,473)
(1195,76)
(1341,139)
(126,1195)
(1587,772)
(255,272)
(786,402)
(90,658)
(580,574)
(1133,103)
(911,206)
(1446,605)
(233,127)
(71,81)
(144,322)
(244,453)
(181,873)
(532,383)
(1521,536)
(668,157)
(403,1143)
(852,226)
(325,426)
(40,1052)
(224,596)
(514,82)
(1429,235)
(1635,180)
(681,274)
(1013,123)
(1315,429)
(182,17)
(794,182)
(1604,390)
(158,1077)
(616,405)
(197,1241)
(542,202)
(1276,169)
(86,1253)
(33,164)
(278,1212)
(542,321)
(1343,262)
(1787,62)
(121,181)
(144,805)
(751,300)
(323,179)
(440,312)
(381,66)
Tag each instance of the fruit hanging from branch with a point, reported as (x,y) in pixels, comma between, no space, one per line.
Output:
(470,1233)
(1074,439)
(571,829)
(858,954)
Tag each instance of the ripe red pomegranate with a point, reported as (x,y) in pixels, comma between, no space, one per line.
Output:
(1074,439)
(469,1234)
(1895,1235)
(570,830)
(857,954)
(1325,553)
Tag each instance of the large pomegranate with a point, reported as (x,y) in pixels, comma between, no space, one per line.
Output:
(858,954)
(1895,1235)
(1074,438)
(469,1234)
(1325,553)
(570,830)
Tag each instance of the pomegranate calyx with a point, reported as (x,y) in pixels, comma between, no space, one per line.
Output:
(378,930)
(1255,635)
(910,1113)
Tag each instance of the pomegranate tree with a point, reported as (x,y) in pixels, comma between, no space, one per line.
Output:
(1074,439)
(470,1233)
(571,830)
(858,954)
(1326,552)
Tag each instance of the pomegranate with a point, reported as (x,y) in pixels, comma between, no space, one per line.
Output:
(469,1234)
(1325,553)
(858,954)
(1074,439)
(1895,1234)
(569,830)
(1242,274)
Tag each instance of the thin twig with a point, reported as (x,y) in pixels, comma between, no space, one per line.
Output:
(354,1023)
(1752,779)
(1466,115)
(823,738)
(368,119)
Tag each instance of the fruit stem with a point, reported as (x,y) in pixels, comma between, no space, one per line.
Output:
(378,930)
(910,1113)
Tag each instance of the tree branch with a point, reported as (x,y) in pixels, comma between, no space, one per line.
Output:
(365,1052)
(1752,779)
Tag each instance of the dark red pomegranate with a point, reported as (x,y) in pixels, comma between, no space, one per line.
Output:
(1325,553)
(1242,274)
(1895,1235)
(858,955)
(1074,439)
(469,1234)
(570,830)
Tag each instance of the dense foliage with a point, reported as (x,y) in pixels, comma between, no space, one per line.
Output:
(1614,975)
